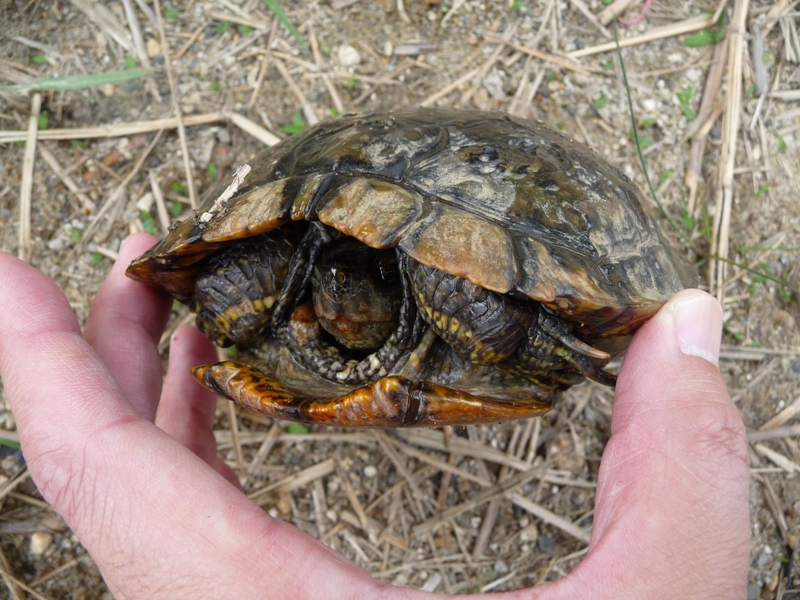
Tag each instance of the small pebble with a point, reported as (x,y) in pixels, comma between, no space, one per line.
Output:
(153,47)
(546,544)
(348,56)
(370,471)
(40,541)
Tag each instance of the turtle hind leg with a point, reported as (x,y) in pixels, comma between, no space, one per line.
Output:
(551,347)
(388,402)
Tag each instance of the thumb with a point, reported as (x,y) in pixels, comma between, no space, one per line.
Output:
(671,514)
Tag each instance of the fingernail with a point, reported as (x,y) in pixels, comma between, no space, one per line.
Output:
(698,325)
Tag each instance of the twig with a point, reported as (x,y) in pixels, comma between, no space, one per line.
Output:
(26,188)
(487,66)
(610,12)
(444,91)
(584,10)
(105,20)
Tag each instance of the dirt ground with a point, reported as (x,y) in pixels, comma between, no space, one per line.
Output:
(234,57)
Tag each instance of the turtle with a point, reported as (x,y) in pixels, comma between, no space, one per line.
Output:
(417,267)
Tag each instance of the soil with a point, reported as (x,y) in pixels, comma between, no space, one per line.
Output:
(374,59)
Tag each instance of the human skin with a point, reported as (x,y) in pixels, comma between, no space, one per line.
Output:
(128,458)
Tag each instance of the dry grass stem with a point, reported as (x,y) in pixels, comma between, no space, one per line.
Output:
(118,192)
(57,571)
(161,206)
(609,13)
(434,440)
(446,89)
(166,337)
(106,21)
(294,481)
(659,33)
(121,130)
(10,485)
(774,434)
(347,486)
(550,517)
(777,458)
(192,39)
(252,129)
(783,416)
(26,186)
(308,110)
(65,178)
(136,33)
(555,60)
(481,498)
(176,105)
(586,12)
(727,160)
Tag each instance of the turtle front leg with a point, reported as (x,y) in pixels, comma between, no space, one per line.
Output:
(388,402)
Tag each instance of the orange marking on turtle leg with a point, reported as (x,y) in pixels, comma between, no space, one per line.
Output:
(388,402)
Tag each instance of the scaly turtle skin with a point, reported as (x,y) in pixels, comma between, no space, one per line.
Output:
(418,267)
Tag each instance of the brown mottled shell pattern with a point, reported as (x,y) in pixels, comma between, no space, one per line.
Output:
(509,204)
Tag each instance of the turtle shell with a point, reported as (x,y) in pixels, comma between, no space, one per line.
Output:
(508,204)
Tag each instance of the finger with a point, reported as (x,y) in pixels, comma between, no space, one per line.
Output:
(671,514)
(124,325)
(151,513)
(186,410)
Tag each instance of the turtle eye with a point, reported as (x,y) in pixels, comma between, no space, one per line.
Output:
(339,277)
(328,277)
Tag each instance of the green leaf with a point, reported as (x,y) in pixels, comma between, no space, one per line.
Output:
(244,29)
(683,100)
(296,428)
(212,170)
(665,175)
(608,65)
(761,190)
(781,142)
(177,208)
(130,62)
(704,38)
(214,86)
(335,113)
(97,257)
(77,82)
(43,120)
(80,143)
(9,443)
(176,304)
(222,27)
(296,126)
(148,223)
(74,234)
(39,59)
(275,7)
(517,4)
(648,122)
(179,187)
(600,102)
(231,351)
(351,82)
(688,220)
(170,13)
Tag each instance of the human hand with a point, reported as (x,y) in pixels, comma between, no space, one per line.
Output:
(133,469)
